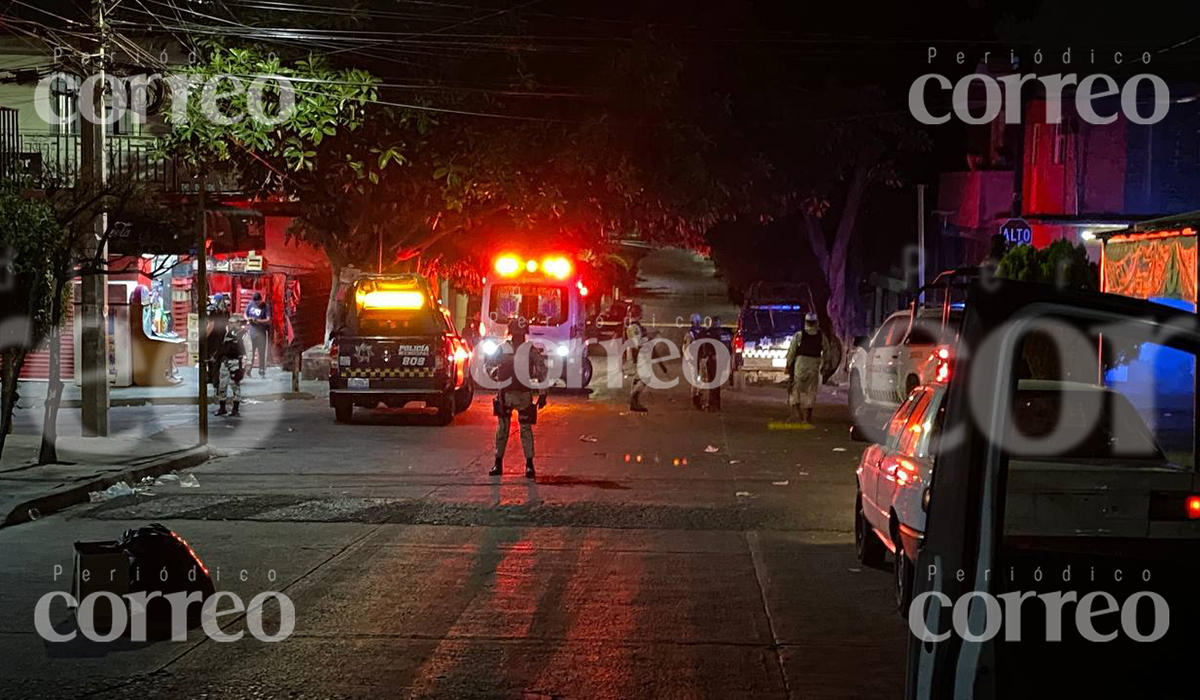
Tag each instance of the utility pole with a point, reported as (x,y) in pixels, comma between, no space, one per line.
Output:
(921,241)
(202,308)
(93,342)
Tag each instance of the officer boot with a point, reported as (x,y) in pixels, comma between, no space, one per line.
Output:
(635,405)
(529,472)
(221,409)
(235,408)
(498,468)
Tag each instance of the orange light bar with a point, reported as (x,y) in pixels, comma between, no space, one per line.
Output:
(392,300)
(507,266)
(557,267)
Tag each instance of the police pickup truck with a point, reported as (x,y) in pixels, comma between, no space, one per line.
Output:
(398,345)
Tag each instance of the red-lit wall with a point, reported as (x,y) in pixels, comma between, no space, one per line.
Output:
(1073,169)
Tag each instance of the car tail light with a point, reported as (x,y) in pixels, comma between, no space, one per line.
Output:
(482,329)
(1174,506)
(739,343)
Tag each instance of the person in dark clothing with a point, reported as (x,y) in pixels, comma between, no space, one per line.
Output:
(711,368)
(260,326)
(515,395)
(218,325)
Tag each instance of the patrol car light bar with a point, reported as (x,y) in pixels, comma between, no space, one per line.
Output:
(392,300)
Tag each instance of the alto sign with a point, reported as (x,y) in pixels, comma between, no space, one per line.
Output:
(1017,232)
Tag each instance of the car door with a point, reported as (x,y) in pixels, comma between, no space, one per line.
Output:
(899,469)
(875,460)
(881,360)
(965,516)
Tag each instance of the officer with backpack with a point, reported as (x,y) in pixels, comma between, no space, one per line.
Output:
(516,392)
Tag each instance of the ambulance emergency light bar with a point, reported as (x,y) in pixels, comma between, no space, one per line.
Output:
(557,267)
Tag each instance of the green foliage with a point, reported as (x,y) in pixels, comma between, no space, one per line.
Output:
(29,234)
(1061,263)
(327,101)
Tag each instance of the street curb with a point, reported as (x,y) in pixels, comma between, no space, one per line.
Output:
(191,400)
(66,496)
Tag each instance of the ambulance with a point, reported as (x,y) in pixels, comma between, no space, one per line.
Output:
(548,293)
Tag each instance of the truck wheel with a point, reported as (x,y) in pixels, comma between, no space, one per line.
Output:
(586,374)
(856,395)
(343,411)
(445,409)
(464,396)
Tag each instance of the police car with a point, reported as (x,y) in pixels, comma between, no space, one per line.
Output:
(398,346)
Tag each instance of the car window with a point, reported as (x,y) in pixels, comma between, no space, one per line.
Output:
(900,417)
(913,433)
(891,332)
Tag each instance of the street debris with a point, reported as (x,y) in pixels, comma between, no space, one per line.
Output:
(803,473)
(588,438)
(839,449)
(735,461)
(33,514)
(189,482)
(166,479)
(742,494)
(712,448)
(780,483)
(115,491)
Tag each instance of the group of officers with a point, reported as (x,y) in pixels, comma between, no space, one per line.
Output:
(709,369)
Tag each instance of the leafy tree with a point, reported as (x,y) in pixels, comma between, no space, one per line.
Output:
(29,234)
(1062,263)
(315,158)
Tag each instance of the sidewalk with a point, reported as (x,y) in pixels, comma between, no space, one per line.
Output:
(276,386)
(28,491)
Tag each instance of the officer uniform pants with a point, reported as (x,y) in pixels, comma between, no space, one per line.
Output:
(522,403)
(225,379)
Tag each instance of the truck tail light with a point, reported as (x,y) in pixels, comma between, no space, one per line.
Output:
(739,343)
(1192,506)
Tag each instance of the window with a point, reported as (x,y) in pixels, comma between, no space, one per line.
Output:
(913,434)
(540,304)
(1061,131)
(900,417)
(891,332)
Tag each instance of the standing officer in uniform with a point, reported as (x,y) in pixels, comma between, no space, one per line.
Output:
(804,367)
(635,337)
(710,362)
(231,356)
(516,396)
(691,361)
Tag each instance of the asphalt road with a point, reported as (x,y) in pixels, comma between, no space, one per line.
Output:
(674,554)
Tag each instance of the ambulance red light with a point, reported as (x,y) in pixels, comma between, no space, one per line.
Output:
(531,266)
(507,266)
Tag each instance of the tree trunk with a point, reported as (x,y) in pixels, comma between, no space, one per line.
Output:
(11,362)
(48,452)
(332,308)
(843,305)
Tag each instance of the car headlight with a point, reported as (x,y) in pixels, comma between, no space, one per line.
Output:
(562,351)
(489,347)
